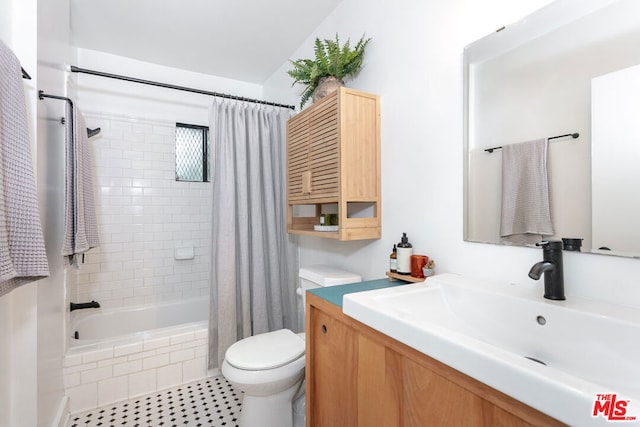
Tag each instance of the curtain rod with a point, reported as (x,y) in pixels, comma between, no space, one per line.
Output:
(43,95)
(572,135)
(75,69)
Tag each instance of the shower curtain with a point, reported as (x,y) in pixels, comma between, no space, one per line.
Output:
(253,259)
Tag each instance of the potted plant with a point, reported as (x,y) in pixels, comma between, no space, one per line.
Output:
(429,269)
(332,64)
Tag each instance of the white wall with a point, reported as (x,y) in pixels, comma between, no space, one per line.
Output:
(414,63)
(54,51)
(6,26)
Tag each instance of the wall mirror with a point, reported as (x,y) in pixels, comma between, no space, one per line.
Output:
(571,67)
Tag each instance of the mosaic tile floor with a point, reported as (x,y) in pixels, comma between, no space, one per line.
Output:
(208,402)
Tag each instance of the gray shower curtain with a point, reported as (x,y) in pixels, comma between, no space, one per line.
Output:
(253,259)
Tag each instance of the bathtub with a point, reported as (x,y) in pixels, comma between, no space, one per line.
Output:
(135,323)
(127,352)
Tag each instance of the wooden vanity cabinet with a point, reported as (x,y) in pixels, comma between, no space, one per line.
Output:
(357,376)
(333,159)
(334,348)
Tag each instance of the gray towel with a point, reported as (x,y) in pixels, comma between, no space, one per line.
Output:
(81,227)
(526,210)
(22,253)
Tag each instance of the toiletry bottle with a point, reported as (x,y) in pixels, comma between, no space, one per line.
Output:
(405,250)
(393,260)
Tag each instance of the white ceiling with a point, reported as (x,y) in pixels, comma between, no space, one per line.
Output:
(245,40)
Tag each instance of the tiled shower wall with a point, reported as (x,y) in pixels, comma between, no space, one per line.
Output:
(143,215)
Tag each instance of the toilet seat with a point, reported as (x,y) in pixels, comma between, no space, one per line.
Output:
(266,351)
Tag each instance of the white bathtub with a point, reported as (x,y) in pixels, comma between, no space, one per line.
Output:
(135,323)
(127,352)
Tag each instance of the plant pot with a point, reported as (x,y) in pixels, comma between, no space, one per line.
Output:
(427,271)
(326,86)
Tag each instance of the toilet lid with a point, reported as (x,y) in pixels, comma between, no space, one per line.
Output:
(265,351)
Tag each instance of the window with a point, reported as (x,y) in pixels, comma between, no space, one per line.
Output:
(192,153)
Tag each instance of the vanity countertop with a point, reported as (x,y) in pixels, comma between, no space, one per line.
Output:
(334,294)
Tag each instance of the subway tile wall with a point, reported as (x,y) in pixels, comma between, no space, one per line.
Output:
(143,215)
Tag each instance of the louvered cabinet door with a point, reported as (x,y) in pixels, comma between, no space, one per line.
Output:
(297,158)
(313,153)
(324,153)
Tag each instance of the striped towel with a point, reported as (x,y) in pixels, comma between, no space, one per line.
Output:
(81,227)
(526,210)
(22,252)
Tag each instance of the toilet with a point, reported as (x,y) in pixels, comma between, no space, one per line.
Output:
(269,367)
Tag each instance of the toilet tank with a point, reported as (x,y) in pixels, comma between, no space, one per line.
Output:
(318,276)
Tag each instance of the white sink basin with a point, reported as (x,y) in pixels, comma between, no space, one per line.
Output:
(489,331)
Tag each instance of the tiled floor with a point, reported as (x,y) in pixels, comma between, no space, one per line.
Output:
(208,402)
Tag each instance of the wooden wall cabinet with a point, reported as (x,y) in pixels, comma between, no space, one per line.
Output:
(333,165)
(357,376)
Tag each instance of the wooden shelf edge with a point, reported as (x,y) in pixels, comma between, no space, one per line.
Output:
(367,233)
(327,234)
(405,277)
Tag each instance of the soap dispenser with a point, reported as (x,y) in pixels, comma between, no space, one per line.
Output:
(393,260)
(405,250)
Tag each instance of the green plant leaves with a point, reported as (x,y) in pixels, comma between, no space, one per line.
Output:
(331,59)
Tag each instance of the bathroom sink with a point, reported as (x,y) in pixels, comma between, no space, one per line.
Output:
(555,356)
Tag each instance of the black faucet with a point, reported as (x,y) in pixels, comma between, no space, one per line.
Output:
(80,306)
(551,267)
